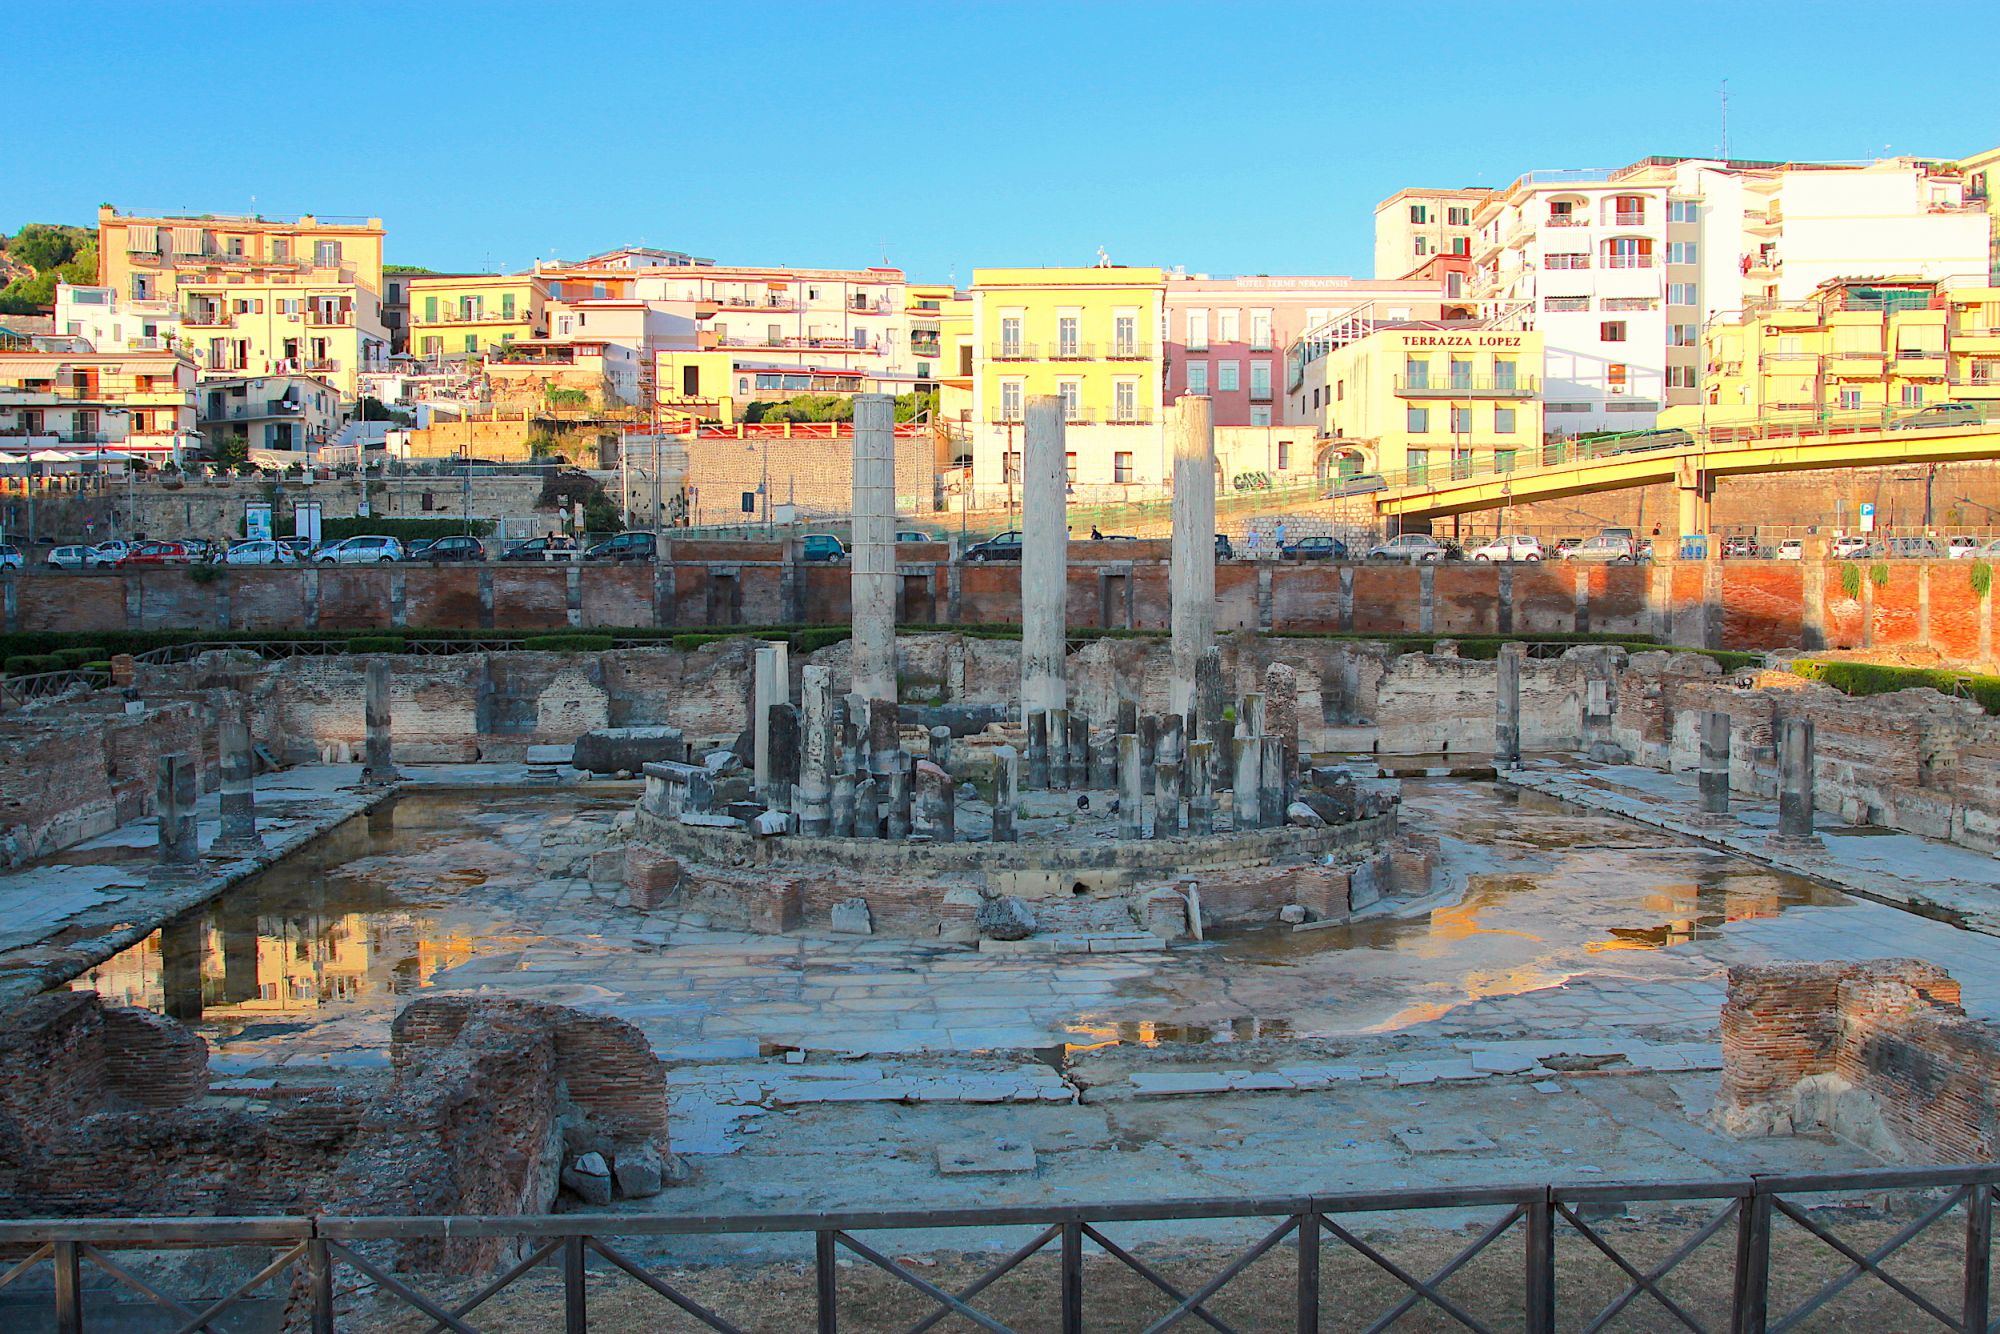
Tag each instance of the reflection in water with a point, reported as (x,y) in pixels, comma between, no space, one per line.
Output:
(323,928)
(1089,1034)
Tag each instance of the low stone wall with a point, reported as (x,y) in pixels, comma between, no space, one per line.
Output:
(1879,1052)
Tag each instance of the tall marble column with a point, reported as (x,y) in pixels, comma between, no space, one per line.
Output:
(816,749)
(1191,430)
(873,578)
(1044,556)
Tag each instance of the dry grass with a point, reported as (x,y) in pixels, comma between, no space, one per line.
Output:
(778,1297)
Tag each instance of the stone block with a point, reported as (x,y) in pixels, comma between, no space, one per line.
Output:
(639,1173)
(610,750)
(851,917)
(1164,913)
(588,1177)
(1006,918)
(548,754)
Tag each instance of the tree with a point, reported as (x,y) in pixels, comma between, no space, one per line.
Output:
(43,246)
(232,451)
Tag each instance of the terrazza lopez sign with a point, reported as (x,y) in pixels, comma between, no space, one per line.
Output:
(1462,340)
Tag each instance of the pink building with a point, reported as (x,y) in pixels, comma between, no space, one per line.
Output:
(1227,337)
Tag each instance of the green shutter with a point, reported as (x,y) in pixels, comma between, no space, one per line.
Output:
(430,310)
(472,342)
(507,305)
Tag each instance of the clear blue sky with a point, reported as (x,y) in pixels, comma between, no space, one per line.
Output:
(1232,138)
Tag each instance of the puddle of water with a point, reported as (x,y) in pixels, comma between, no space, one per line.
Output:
(353,922)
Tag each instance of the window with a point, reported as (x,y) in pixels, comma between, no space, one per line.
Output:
(1503,459)
(1260,331)
(1197,377)
(1071,394)
(1503,421)
(281,249)
(1417,420)
(1121,466)
(1682,210)
(1284,450)
(1458,216)
(1340,390)
(1197,331)
(1628,252)
(1680,252)
(1011,462)
(1225,326)
(1125,401)
(1454,285)
(472,342)
(1418,462)
(1262,417)
(1420,247)
(1564,260)
(1010,400)
(1260,380)
(1681,377)
(1067,340)
(1611,331)
(1417,372)
(1461,372)
(430,310)
(1682,294)
(1069,468)
(1461,421)
(1683,335)
(506,305)
(1850,398)
(1125,333)
(1010,335)
(1461,245)
(326,254)
(1913,395)
(1505,373)
(1629,210)
(433,346)
(1566,303)
(1419,214)
(1225,376)
(1629,303)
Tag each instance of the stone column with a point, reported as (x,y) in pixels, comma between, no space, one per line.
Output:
(1250,714)
(239,797)
(816,746)
(1058,726)
(1795,779)
(885,738)
(1271,776)
(937,802)
(1714,775)
(867,809)
(1191,426)
(1044,557)
(1079,750)
(1006,792)
(1208,705)
(1149,750)
(1131,795)
(843,805)
(1038,750)
(783,732)
(378,754)
(1167,775)
(771,684)
(1507,707)
(1104,763)
(1200,788)
(899,802)
(1128,717)
(941,748)
(1247,787)
(174,795)
(1281,720)
(873,581)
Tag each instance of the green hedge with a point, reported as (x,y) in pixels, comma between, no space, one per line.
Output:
(1874,678)
(405,531)
(30,664)
(377,644)
(568,643)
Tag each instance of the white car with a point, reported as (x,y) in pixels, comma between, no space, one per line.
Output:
(1520,546)
(259,551)
(1410,547)
(1847,548)
(1792,548)
(110,553)
(1959,548)
(70,558)
(360,551)
(10,556)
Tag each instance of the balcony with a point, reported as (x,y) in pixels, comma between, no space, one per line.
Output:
(755,302)
(1011,351)
(1918,361)
(1468,386)
(809,343)
(1856,365)
(1628,261)
(1072,350)
(1262,344)
(328,319)
(1565,261)
(1135,417)
(920,348)
(1079,416)
(1260,393)
(1129,350)
(1975,338)
(208,319)
(1628,219)
(318,365)
(1568,220)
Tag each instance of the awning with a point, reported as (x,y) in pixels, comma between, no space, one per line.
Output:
(52,456)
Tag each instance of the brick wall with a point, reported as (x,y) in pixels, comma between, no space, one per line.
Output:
(78,768)
(1882,1051)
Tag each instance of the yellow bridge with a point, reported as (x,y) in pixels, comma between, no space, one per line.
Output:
(1693,459)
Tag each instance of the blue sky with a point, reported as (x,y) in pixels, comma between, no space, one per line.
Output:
(1232,138)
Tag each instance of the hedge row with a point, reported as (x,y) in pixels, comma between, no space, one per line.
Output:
(61,659)
(1872,678)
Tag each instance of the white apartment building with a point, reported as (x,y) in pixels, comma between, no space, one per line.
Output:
(1414,226)
(111,323)
(835,319)
(1621,270)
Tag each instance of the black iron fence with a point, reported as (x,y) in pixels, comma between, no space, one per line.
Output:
(314,1259)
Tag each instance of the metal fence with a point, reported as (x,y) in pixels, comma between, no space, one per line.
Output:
(1538,1223)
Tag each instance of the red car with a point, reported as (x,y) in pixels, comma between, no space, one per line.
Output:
(158,553)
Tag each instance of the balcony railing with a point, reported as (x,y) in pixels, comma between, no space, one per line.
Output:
(328,319)
(1468,386)
(1568,220)
(756,303)
(1136,417)
(1072,350)
(1260,344)
(1005,351)
(1260,393)
(1565,261)
(208,319)
(318,365)
(1628,261)
(1918,354)
(1629,219)
(923,349)
(1129,350)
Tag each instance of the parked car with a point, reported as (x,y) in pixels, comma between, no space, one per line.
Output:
(302,547)
(1960,548)
(542,549)
(1314,548)
(621,548)
(1792,548)
(200,548)
(822,547)
(366,550)
(1939,415)
(1411,547)
(1991,549)
(1224,551)
(1739,546)
(157,553)
(1847,548)
(10,556)
(111,552)
(1518,546)
(1565,545)
(1359,484)
(1643,549)
(259,551)
(1604,548)
(1912,548)
(1002,546)
(72,558)
(916,535)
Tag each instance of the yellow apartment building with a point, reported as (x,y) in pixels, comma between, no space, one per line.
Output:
(1089,336)
(469,316)
(255,295)
(1426,396)
(1880,347)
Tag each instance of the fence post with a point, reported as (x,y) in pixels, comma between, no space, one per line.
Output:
(1978,1255)
(1308,1272)
(1072,1278)
(576,1315)
(1748,1310)
(1540,1290)
(319,1280)
(826,1281)
(69,1288)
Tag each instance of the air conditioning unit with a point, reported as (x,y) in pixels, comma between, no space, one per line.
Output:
(1617,388)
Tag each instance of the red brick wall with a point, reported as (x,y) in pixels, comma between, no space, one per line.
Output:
(1896,606)
(1763,603)
(1385,599)
(1465,600)
(1544,600)
(445,597)
(1954,611)
(1307,600)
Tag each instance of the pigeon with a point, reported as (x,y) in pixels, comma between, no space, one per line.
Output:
(1083,801)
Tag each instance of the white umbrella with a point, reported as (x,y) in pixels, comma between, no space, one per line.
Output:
(51,456)
(12,458)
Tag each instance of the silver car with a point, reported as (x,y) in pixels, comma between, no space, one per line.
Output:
(360,551)
(1410,547)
